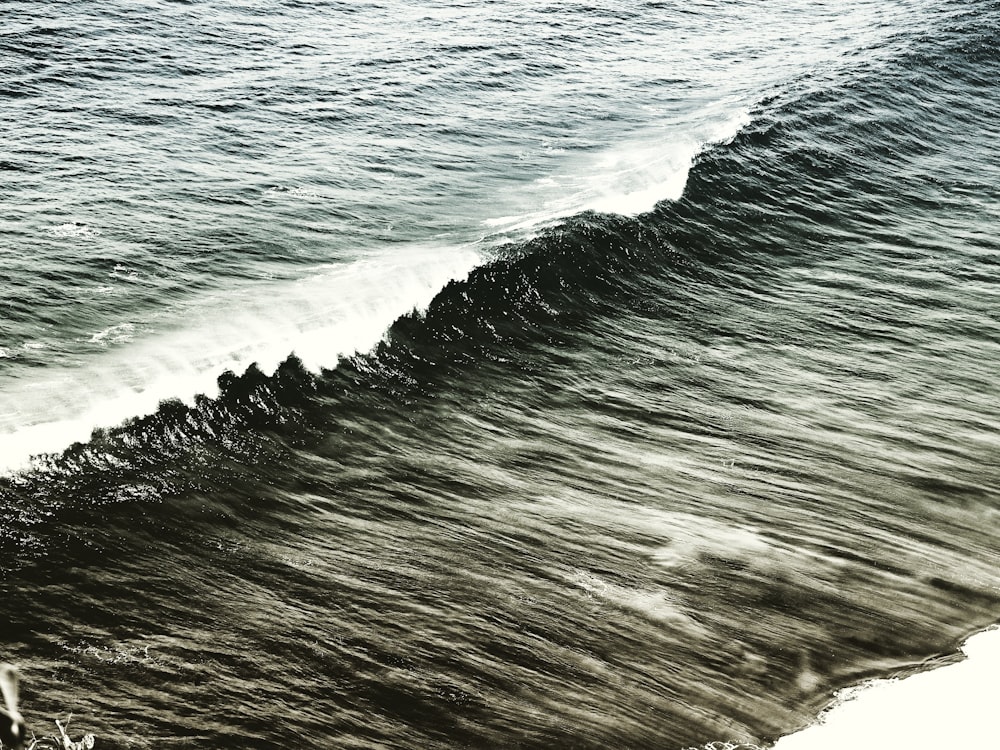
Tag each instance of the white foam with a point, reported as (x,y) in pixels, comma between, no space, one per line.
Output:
(653,604)
(116,334)
(74,229)
(335,311)
(952,706)
(631,177)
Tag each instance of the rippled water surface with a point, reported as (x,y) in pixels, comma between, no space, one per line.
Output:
(485,375)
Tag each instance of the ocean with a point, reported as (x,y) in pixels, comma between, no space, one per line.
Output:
(466,374)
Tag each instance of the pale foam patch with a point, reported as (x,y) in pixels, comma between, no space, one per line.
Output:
(702,537)
(679,539)
(73,229)
(116,334)
(653,604)
(295,191)
(952,706)
(336,311)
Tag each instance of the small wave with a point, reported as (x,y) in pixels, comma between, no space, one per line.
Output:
(295,191)
(116,334)
(74,229)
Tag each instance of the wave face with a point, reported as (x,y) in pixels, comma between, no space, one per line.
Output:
(494,376)
(183,179)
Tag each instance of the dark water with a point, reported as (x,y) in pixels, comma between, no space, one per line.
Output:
(632,475)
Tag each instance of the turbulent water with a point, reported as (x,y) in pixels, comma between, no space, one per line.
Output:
(493,375)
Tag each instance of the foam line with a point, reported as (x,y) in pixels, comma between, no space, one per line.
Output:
(952,706)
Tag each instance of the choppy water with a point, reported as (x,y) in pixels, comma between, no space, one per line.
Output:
(643,389)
